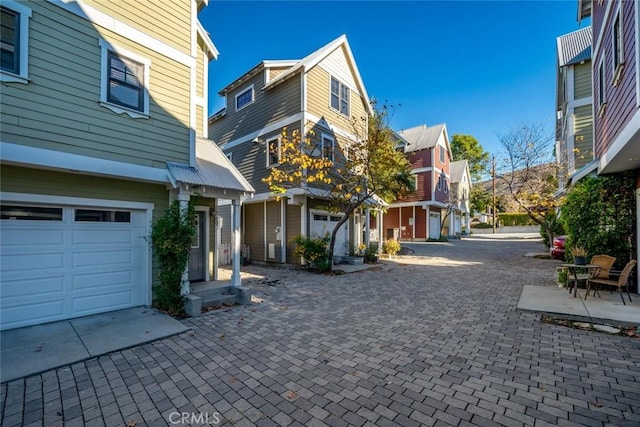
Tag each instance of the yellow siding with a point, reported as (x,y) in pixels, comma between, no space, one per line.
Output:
(583,139)
(582,80)
(275,72)
(199,120)
(318,102)
(168,21)
(200,68)
(65,65)
(273,221)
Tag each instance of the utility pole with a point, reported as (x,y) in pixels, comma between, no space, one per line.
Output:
(493,207)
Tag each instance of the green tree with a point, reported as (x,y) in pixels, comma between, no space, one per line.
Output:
(480,199)
(467,147)
(599,214)
(369,167)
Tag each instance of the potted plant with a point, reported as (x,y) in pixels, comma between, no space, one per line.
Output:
(579,255)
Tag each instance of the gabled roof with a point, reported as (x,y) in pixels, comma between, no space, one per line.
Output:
(423,137)
(457,169)
(212,51)
(302,66)
(574,47)
(213,169)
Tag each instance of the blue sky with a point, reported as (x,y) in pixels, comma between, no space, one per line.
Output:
(480,67)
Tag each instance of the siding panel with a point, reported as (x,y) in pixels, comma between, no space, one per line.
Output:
(293,230)
(583,134)
(168,21)
(582,80)
(273,221)
(269,106)
(254,230)
(65,64)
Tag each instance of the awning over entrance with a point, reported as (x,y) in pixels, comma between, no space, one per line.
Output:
(212,170)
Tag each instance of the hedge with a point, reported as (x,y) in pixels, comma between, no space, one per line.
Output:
(510,219)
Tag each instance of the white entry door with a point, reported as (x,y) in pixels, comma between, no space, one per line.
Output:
(434,225)
(59,262)
(323,223)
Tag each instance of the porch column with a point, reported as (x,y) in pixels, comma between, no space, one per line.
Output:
(380,222)
(367,227)
(235,239)
(183,200)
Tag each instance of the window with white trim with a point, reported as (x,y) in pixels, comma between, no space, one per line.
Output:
(340,96)
(618,49)
(124,81)
(327,147)
(244,98)
(441,148)
(14,42)
(415,181)
(602,93)
(274,152)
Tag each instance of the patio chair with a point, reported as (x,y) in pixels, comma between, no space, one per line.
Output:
(620,283)
(605,262)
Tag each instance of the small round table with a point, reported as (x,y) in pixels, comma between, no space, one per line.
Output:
(573,269)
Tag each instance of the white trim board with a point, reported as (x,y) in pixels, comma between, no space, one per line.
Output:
(620,142)
(75,163)
(125,30)
(266,130)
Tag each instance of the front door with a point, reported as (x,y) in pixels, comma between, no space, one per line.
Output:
(197,255)
(434,225)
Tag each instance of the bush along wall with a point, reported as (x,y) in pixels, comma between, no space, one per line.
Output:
(515,219)
(599,214)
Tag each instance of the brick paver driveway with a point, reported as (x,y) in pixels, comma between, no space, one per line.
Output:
(433,339)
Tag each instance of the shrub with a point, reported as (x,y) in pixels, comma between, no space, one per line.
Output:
(512,219)
(599,215)
(482,225)
(391,246)
(371,253)
(556,226)
(315,250)
(171,238)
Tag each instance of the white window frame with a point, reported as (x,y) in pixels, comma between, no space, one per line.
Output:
(242,92)
(415,181)
(340,99)
(324,137)
(105,48)
(441,149)
(279,142)
(602,88)
(24,14)
(439,185)
(617,57)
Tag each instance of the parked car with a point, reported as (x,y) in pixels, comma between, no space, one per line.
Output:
(557,248)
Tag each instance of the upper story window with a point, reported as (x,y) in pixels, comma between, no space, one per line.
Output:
(618,52)
(339,96)
(14,42)
(441,149)
(125,85)
(327,147)
(244,98)
(125,81)
(273,156)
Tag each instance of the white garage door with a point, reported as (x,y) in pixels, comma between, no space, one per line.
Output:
(59,262)
(323,223)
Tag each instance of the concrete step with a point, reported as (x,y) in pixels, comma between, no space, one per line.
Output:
(210,290)
(220,301)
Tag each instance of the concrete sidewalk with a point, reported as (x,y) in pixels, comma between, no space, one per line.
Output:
(607,307)
(35,349)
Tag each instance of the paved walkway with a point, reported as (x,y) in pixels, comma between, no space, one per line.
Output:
(429,339)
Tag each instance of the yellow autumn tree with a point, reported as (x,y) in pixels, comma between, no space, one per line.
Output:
(363,170)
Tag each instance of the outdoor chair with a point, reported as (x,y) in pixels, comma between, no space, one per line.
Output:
(605,262)
(620,283)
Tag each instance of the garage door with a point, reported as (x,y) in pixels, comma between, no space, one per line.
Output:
(323,223)
(59,262)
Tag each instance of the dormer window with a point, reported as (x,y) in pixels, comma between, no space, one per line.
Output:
(244,98)
(339,96)
(327,147)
